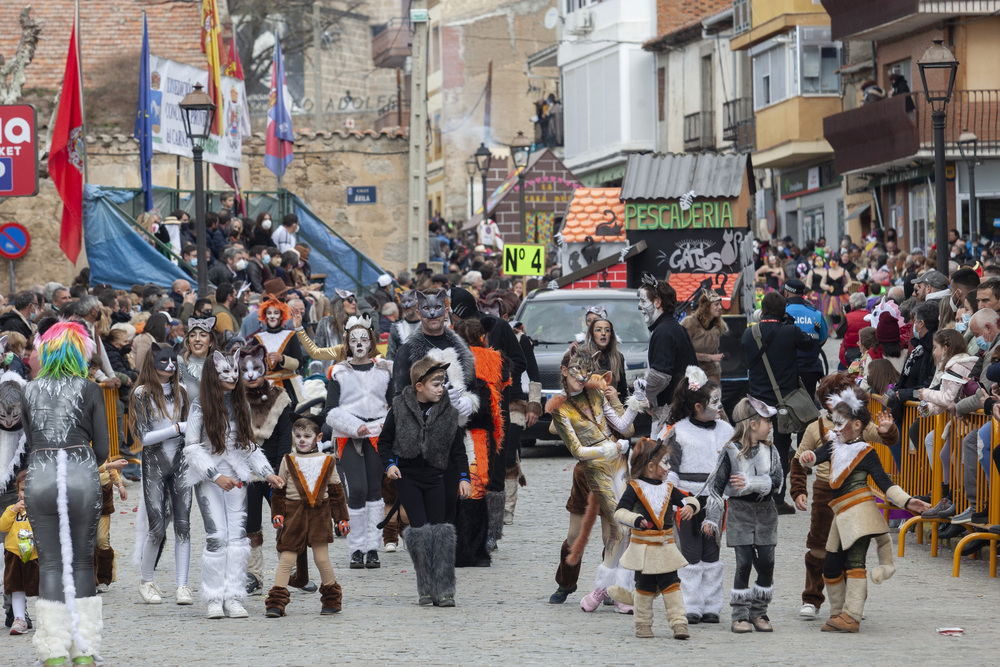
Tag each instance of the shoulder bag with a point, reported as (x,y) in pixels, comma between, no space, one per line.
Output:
(796,409)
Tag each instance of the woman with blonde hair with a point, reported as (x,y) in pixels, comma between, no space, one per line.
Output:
(706,328)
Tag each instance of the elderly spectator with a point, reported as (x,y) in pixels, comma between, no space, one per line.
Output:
(19,317)
(473,281)
(389,314)
(231,267)
(853,322)
(384,293)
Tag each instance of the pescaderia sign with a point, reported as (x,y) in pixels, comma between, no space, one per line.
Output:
(672,215)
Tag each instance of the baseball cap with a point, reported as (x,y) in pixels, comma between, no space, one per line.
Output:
(934,278)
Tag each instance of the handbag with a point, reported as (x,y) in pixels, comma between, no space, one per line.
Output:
(796,409)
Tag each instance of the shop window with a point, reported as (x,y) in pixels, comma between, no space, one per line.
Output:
(812,223)
(919,216)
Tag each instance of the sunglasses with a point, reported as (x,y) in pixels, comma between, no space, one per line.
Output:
(351,299)
(205,313)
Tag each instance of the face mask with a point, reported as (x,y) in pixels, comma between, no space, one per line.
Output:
(178,339)
(982,344)
(193,261)
(964,324)
(33,316)
(266,224)
(227,367)
(265,258)
(241,265)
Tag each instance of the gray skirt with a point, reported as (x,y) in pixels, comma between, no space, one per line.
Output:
(751,523)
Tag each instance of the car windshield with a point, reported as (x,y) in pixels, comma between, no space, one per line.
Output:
(558,322)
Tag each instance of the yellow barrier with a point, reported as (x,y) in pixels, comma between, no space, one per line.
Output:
(111,408)
(919,476)
(994,512)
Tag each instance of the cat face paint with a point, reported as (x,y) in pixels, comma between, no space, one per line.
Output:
(228,367)
(252,368)
(646,307)
(273,317)
(165,360)
(713,409)
(840,423)
(360,343)
(432,306)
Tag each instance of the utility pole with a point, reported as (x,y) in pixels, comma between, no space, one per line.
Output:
(417,218)
(318,66)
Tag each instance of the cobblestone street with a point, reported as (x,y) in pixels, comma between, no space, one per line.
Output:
(503,616)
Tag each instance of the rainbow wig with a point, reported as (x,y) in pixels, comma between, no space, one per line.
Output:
(286,312)
(64,350)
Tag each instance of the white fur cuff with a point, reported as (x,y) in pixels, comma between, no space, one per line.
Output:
(691,500)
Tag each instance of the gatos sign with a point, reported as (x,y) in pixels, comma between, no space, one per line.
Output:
(674,215)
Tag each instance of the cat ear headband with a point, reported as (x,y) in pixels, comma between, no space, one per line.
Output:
(355,321)
(696,377)
(206,324)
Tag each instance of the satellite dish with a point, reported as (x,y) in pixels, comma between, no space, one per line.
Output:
(551,18)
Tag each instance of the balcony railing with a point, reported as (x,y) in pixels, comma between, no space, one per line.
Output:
(900,128)
(699,132)
(391,43)
(394,116)
(856,19)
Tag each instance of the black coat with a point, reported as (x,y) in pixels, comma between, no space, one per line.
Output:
(670,352)
(785,337)
(13,321)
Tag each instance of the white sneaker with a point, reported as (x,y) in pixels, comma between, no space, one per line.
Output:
(183,595)
(103,588)
(808,612)
(148,593)
(215,609)
(390,547)
(235,609)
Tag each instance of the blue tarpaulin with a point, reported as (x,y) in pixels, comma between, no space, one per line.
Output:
(118,255)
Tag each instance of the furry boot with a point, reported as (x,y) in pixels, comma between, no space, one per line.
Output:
(693,589)
(643,614)
(419,542)
(739,600)
(760,600)
(276,601)
(91,625)
(622,595)
(836,591)
(213,576)
(52,637)
(357,539)
(494,509)
(673,600)
(854,600)
(813,593)
(711,588)
(255,562)
(237,553)
(567,575)
(330,596)
(885,568)
(470,533)
(374,513)
(104,566)
(442,566)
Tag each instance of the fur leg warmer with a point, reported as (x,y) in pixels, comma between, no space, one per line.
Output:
(277,598)
(104,566)
(856,594)
(237,553)
(213,576)
(673,600)
(52,637)
(442,566)
(510,484)
(419,543)
(255,563)
(692,587)
(712,597)
(836,591)
(761,599)
(642,614)
(374,513)
(91,626)
(494,508)
(357,539)
(567,575)
(470,533)
(331,596)
(885,568)
(739,600)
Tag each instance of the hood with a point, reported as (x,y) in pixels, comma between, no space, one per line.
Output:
(961,363)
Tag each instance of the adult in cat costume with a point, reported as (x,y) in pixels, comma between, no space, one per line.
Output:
(357,401)
(13,454)
(283,355)
(407,324)
(66,435)
(222,457)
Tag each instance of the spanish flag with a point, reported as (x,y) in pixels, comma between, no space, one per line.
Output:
(211,46)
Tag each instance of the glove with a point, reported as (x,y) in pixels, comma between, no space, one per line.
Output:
(610,451)
(639,389)
(278,521)
(342,528)
(454,393)
(463,405)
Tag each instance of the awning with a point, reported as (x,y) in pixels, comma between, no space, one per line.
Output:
(858,210)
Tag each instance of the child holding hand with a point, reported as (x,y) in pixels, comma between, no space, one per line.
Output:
(20,572)
(301,509)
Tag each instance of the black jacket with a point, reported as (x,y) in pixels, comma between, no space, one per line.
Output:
(918,369)
(13,321)
(784,337)
(670,352)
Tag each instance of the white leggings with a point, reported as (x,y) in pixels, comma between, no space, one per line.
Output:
(223,565)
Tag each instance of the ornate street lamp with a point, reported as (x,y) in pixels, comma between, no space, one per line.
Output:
(471,168)
(938,61)
(520,150)
(968,146)
(483,158)
(199,116)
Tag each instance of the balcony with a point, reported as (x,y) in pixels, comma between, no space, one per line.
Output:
(882,135)
(391,43)
(872,21)
(738,124)
(393,116)
(699,132)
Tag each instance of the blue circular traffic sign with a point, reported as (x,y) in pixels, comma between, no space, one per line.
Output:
(14,240)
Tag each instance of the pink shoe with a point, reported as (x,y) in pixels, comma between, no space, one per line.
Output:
(593,600)
(623,608)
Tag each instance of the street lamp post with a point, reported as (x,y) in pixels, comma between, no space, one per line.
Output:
(198,115)
(968,145)
(520,150)
(471,168)
(938,61)
(483,158)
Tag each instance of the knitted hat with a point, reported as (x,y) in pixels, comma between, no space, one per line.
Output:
(887,330)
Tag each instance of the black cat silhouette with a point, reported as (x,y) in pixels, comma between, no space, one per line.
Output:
(611,227)
(574,261)
(591,251)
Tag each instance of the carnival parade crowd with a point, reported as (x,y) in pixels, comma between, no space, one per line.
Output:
(393,418)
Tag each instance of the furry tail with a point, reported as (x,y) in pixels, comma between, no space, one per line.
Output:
(66,550)
(589,519)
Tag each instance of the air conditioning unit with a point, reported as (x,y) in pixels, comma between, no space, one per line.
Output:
(580,22)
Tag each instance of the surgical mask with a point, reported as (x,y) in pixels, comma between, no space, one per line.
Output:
(178,339)
(193,261)
(241,265)
(960,327)
(982,344)
(266,224)
(265,258)
(33,316)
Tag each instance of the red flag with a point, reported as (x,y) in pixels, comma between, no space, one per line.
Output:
(66,155)
(211,46)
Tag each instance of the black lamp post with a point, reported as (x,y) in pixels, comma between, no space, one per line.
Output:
(520,149)
(199,115)
(483,158)
(938,61)
(471,168)
(968,145)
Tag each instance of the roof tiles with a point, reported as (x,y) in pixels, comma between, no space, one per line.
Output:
(592,208)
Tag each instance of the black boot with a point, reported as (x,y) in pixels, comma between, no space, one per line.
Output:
(371,561)
(357,560)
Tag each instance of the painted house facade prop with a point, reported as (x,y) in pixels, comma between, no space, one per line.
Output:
(594,230)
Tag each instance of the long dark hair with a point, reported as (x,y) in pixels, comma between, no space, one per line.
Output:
(152,395)
(156,326)
(686,398)
(610,353)
(214,414)
(213,345)
(646,451)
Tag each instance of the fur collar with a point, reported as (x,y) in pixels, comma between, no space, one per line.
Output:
(265,411)
(843,459)
(654,497)
(11,455)
(429,437)
(419,346)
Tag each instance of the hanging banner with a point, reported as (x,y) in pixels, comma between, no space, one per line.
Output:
(170,81)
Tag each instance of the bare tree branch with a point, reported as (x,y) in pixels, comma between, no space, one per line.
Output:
(12,73)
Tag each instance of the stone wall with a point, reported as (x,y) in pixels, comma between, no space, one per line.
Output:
(325,165)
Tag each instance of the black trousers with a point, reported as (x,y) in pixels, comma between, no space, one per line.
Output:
(422,493)
(256,492)
(760,558)
(653,583)
(783,443)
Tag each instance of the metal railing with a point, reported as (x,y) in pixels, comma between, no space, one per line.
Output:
(977,111)
(734,113)
(699,131)
(391,43)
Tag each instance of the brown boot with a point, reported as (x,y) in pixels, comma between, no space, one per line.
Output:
(104,566)
(842,623)
(276,601)
(330,597)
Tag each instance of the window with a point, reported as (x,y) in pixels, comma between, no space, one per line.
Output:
(573,5)
(813,225)
(919,199)
(802,62)
(770,76)
(435,49)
